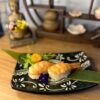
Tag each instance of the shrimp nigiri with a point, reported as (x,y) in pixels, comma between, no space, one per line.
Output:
(61,70)
(38,68)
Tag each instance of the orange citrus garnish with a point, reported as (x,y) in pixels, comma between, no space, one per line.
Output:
(36,57)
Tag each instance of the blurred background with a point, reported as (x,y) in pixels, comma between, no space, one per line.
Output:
(3,15)
(70,4)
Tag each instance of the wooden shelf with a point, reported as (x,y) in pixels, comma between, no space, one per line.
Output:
(61,34)
(66,36)
(84,17)
(63,9)
(56,8)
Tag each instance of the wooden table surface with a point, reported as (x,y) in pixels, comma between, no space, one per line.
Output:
(7,65)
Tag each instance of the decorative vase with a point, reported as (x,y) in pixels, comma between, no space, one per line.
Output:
(50,25)
(50,15)
(50,21)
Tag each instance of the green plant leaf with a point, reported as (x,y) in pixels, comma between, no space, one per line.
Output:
(13,54)
(86,76)
(48,56)
(26,65)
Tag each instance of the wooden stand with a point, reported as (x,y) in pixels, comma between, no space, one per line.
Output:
(22,42)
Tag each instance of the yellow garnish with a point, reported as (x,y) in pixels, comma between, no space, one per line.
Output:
(36,57)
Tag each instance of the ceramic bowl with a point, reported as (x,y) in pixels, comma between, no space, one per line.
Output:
(76,29)
(97,13)
(75,13)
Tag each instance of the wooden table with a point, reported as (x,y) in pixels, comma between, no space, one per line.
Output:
(7,65)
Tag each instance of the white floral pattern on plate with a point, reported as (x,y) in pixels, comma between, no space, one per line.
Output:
(68,86)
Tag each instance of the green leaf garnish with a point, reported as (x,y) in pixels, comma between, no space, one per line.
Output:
(26,60)
(13,54)
(26,65)
(85,76)
(48,56)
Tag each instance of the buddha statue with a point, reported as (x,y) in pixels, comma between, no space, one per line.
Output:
(17,26)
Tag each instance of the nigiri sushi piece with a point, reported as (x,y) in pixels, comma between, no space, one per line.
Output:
(59,71)
(38,68)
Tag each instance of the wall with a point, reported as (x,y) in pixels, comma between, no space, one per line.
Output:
(3,12)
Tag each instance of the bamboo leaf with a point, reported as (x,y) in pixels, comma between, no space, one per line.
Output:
(13,54)
(86,76)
